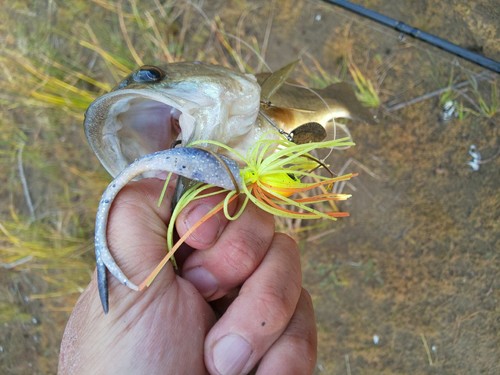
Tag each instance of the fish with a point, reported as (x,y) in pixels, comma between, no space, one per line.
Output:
(147,123)
(157,107)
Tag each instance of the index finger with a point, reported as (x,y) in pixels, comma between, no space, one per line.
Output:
(237,252)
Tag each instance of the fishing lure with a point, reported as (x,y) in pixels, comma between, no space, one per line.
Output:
(190,162)
(268,176)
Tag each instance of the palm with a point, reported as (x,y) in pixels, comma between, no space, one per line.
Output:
(148,333)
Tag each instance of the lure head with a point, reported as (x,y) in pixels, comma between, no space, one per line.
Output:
(281,183)
(155,107)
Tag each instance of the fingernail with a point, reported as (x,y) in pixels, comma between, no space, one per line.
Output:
(208,232)
(231,354)
(203,280)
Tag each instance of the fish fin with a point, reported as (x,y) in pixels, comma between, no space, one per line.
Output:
(344,94)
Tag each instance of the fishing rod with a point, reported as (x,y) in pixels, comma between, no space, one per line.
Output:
(419,34)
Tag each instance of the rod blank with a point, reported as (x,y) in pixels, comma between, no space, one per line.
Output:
(419,34)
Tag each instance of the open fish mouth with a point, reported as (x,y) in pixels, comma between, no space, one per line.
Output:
(124,125)
(140,119)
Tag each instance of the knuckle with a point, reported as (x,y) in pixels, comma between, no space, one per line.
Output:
(291,251)
(129,199)
(245,251)
(277,306)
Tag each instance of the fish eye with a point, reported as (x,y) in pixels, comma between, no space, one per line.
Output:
(148,73)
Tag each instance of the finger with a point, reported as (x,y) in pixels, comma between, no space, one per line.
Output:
(296,350)
(260,313)
(137,333)
(136,234)
(206,235)
(235,255)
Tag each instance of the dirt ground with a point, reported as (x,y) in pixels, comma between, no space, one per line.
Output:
(409,283)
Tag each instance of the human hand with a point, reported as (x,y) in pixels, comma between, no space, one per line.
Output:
(237,303)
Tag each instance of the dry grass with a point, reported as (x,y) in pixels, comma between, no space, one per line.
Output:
(380,272)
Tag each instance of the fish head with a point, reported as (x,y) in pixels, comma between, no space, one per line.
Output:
(156,107)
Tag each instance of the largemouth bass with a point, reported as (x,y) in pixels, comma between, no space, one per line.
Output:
(155,108)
